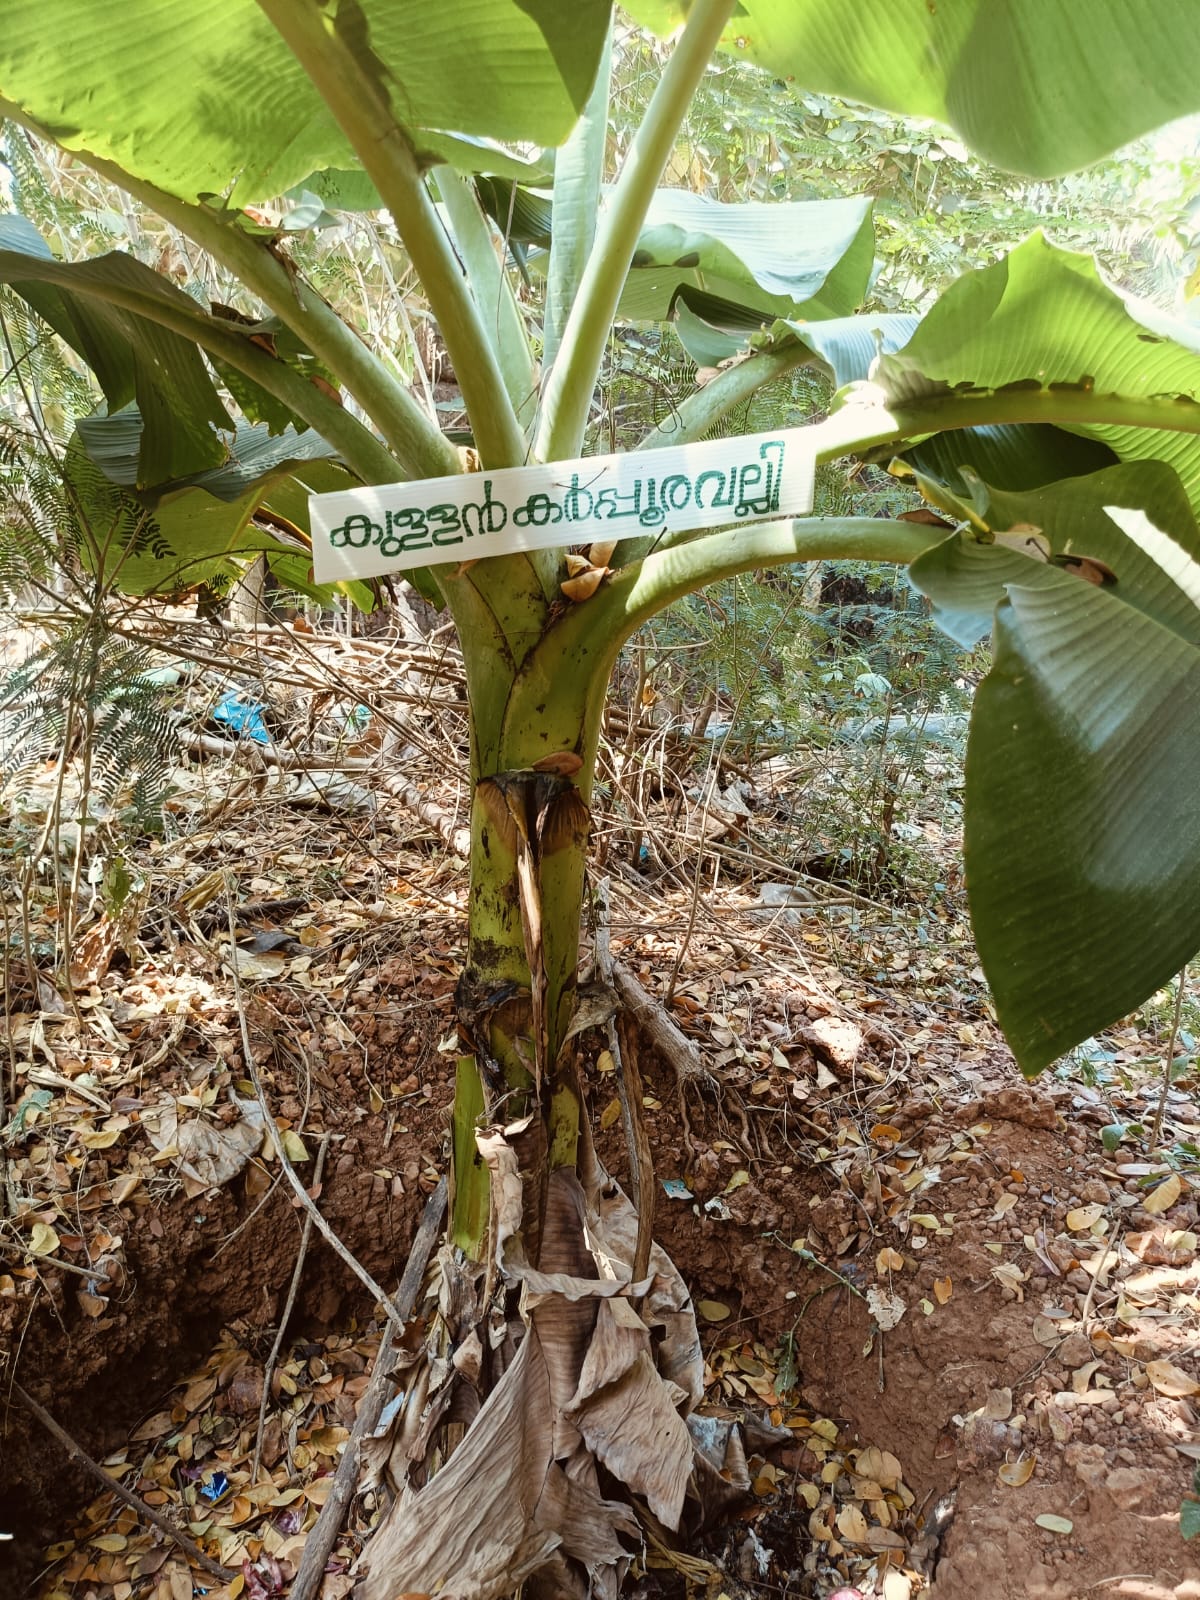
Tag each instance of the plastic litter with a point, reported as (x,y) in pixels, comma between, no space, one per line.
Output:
(242,717)
(215,1487)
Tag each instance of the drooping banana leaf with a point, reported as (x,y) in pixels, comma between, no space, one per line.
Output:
(501,173)
(1041,335)
(208,100)
(1083,761)
(200,527)
(167,425)
(201,535)
(738,266)
(1010,456)
(108,309)
(254,455)
(848,347)
(771,259)
(133,356)
(1037,86)
(1053,528)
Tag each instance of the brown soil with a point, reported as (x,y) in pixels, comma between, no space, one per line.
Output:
(1116,1474)
(1114,1471)
(866,1106)
(191,1271)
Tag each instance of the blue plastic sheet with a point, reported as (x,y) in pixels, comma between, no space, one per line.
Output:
(242,716)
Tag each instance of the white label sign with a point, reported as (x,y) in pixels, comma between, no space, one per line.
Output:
(364,533)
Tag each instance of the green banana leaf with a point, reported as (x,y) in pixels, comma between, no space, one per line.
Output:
(967,577)
(1037,86)
(198,528)
(352,190)
(194,535)
(1083,760)
(133,357)
(105,308)
(768,259)
(847,347)
(1010,455)
(1043,327)
(167,426)
(208,100)
(740,267)
(711,330)
(1082,826)
(254,456)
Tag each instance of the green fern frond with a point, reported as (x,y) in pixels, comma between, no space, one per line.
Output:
(85,690)
(90,689)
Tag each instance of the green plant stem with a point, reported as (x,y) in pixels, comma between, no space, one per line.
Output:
(866,420)
(703,409)
(568,388)
(419,448)
(578,174)
(1176,1019)
(636,593)
(865,423)
(356,100)
(491,288)
(732,386)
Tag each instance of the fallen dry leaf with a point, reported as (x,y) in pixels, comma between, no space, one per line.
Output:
(943,1288)
(293,1144)
(42,1239)
(1017,1473)
(1083,1217)
(252,965)
(887,1309)
(179,1580)
(713,1310)
(1054,1524)
(208,1154)
(998,1406)
(109,1542)
(1082,1376)
(1164,1196)
(852,1525)
(881,1466)
(1171,1380)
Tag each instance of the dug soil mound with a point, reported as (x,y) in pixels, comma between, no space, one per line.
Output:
(962,1315)
(978,1323)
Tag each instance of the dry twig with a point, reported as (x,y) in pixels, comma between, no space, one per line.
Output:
(665,1035)
(1160,1113)
(297,1274)
(320,1541)
(455,837)
(629,1088)
(675,1048)
(289,1171)
(76,1451)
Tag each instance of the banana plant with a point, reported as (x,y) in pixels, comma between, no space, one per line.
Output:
(1055,422)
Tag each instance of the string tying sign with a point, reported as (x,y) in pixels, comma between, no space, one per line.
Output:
(365,533)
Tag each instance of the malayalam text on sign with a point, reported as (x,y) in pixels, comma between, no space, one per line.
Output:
(366,533)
